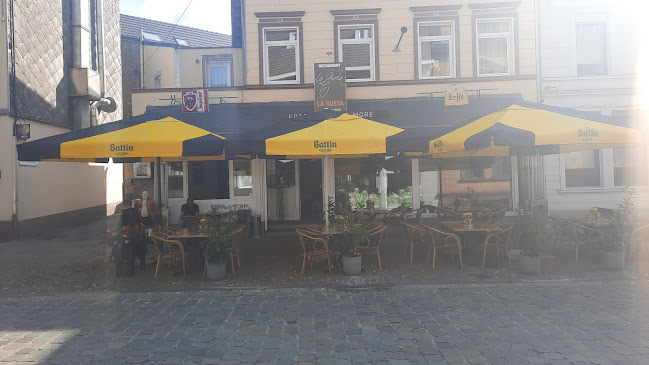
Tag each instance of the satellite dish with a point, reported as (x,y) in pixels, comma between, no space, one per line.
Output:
(109,107)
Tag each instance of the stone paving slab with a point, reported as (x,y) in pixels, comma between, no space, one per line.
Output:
(550,323)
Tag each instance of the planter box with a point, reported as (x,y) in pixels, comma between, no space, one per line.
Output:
(352,265)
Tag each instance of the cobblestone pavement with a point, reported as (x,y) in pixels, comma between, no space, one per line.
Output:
(529,323)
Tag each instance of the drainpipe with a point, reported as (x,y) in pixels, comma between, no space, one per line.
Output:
(101,60)
(539,70)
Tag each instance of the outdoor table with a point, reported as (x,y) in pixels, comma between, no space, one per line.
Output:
(191,240)
(591,223)
(371,213)
(332,229)
(476,227)
(473,209)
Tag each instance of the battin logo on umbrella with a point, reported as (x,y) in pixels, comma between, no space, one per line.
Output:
(121,150)
(324,147)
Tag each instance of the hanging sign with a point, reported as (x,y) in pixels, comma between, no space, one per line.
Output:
(195,101)
(456,95)
(329,84)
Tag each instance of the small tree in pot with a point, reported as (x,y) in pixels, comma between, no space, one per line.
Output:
(218,246)
(349,241)
(534,230)
(616,235)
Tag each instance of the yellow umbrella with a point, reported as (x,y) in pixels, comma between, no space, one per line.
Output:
(519,130)
(344,135)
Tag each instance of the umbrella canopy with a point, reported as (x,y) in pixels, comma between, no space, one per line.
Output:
(132,139)
(342,135)
(519,130)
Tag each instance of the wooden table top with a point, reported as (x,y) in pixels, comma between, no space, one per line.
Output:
(374,211)
(187,233)
(477,226)
(473,209)
(592,223)
(332,229)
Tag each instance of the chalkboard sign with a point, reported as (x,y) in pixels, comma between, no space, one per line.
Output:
(329,86)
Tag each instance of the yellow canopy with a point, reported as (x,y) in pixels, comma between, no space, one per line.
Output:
(158,138)
(344,135)
(496,134)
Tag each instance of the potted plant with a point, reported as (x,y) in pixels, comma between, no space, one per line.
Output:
(349,241)
(125,244)
(533,229)
(616,234)
(218,246)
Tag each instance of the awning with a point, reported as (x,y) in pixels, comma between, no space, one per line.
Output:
(137,138)
(533,129)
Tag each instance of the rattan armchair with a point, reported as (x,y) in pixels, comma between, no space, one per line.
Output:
(169,250)
(444,243)
(499,241)
(371,243)
(313,247)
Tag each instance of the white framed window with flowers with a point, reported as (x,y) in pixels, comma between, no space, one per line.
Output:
(436,49)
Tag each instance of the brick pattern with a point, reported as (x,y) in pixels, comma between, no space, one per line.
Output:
(555,323)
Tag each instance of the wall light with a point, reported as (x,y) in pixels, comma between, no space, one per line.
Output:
(404,30)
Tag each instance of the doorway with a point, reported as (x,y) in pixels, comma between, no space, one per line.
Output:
(311,190)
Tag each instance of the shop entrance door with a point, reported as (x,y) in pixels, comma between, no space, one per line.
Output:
(311,190)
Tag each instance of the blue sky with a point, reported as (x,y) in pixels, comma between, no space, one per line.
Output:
(211,15)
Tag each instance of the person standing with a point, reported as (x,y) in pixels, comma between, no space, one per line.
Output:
(147,209)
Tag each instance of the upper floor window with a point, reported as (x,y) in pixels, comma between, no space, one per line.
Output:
(281,55)
(591,49)
(582,169)
(218,74)
(495,46)
(157,82)
(356,50)
(436,50)
(151,37)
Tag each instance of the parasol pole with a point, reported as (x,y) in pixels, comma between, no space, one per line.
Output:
(325,187)
(159,183)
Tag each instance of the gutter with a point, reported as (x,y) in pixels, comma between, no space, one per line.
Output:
(539,68)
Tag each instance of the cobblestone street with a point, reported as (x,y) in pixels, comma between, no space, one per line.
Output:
(535,323)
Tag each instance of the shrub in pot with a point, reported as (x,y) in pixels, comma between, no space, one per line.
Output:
(534,229)
(349,241)
(218,247)
(616,234)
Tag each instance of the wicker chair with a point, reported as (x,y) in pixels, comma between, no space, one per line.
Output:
(414,236)
(166,249)
(577,234)
(371,243)
(235,253)
(313,247)
(638,240)
(444,243)
(499,241)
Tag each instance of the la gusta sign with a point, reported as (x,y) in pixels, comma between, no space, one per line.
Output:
(329,86)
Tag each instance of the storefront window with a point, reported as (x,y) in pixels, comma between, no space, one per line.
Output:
(486,184)
(627,166)
(582,169)
(208,180)
(242,170)
(175,179)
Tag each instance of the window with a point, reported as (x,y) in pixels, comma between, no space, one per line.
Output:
(242,171)
(281,56)
(157,82)
(495,47)
(473,173)
(218,74)
(175,179)
(151,37)
(627,166)
(582,169)
(356,50)
(208,180)
(436,50)
(591,49)
(182,42)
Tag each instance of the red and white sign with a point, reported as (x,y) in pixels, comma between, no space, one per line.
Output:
(195,101)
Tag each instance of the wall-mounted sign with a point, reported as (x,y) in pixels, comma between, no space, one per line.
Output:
(22,131)
(195,101)
(456,95)
(329,84)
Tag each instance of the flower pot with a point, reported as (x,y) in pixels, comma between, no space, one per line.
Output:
(530,265)
(215,270)
(612,260)
(352,265)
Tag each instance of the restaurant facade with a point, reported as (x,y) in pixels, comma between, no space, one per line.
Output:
(401,60)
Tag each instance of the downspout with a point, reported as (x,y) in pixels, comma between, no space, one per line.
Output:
(100,47)
(539,69)
(11,73)
(243,46)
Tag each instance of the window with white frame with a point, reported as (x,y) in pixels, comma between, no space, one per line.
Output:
(356,50)
(157,81)
(628,166)
(436,49)
(582,169)
(242,177)
(591,49)
(495,46)
(218,74)
(281,55)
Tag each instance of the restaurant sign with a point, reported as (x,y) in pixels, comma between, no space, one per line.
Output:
(456,95)
(195,101)
(329,86)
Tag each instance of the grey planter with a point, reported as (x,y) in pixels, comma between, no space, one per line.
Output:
(612,260)
(215,270)
(530,265)
(352,265)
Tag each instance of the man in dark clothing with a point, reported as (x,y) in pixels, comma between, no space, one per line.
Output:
(189,209)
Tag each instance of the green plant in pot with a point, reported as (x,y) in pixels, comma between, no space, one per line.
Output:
(616,234)
(348,242)
(218,246)
(534,229)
